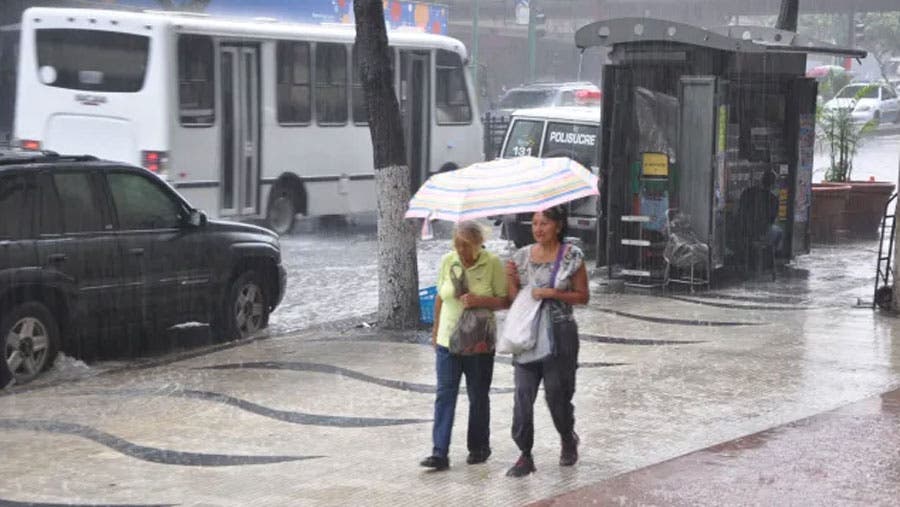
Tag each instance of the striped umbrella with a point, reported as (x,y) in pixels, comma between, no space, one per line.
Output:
(502,187)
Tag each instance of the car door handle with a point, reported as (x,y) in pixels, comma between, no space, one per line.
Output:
(57,257)
(137,252)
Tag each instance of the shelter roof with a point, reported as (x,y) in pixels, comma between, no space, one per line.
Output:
(738,39)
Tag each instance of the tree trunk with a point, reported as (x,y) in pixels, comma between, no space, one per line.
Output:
(787,16)
(398,275)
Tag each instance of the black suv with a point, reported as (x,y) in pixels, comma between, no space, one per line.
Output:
(94,253)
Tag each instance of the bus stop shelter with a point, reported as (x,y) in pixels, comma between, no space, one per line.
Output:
(692,118)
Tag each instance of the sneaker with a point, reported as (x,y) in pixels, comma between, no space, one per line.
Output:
(478,456)
(436,462)
(568,456)
(524,466)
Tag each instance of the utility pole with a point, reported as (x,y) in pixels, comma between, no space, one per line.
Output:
(475,42)
(532,38)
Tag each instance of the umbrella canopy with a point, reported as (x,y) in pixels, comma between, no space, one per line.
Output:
(502,187)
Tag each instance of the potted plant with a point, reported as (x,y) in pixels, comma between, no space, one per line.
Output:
(863,201)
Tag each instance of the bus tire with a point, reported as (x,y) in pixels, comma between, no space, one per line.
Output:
(282,213)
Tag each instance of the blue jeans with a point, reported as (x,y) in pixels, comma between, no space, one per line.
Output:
(479,371)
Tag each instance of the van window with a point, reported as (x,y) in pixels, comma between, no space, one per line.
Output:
(573,140)
(452,94)
(331,84)
(524,139)
(294,83)
(196,92)
(92,60)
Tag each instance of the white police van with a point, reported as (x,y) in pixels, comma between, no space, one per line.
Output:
(572,132)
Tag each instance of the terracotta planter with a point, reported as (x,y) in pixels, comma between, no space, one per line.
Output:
(865,208)
(826,216)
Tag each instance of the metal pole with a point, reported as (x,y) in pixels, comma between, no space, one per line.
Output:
(532,38)
(580,63)
(851,27)
(475,43)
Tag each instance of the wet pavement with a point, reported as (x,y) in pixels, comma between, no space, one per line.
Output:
(844,456)
(337,414)
(789,374)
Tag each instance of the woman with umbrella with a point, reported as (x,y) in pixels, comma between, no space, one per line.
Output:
(554,272)
(470,279)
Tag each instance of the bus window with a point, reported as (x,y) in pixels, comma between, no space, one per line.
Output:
(524,140)
(196,91)
(331,84)
(294,86)
(92,60)
(573,140)
(358,96)
(452,95)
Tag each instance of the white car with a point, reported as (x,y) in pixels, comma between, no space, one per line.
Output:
(867,101)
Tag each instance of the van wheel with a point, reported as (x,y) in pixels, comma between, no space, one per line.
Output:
(282,213)
(29,336)
(244,311)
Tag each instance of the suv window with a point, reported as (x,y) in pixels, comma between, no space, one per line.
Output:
(142,204)
(77,209)
(524,139)
(573,140)
(887,93)
(12,207)
(522,99)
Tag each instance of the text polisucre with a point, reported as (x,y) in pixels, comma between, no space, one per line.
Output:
(573,138)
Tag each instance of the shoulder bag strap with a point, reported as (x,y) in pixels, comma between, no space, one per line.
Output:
(559,255)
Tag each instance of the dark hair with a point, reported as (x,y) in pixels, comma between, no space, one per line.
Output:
(559,215)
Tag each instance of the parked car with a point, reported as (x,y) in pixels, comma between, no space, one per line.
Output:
(867,102)
(95,253)
(572,132)
(548,95)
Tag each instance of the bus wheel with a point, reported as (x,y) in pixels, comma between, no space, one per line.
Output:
(282,214)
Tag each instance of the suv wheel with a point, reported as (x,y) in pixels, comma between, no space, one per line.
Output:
(245,310)
(29,337)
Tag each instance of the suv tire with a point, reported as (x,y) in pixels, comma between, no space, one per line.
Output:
(245,309)
(29,339)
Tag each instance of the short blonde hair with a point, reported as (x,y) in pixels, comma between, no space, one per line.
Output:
(470,232)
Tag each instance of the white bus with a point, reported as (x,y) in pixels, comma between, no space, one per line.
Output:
(246,118)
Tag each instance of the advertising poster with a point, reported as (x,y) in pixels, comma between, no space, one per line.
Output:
(807,141)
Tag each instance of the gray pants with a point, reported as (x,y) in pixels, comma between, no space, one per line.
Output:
(558,373)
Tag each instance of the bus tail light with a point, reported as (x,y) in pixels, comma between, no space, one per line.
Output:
(30,145)
(155,161)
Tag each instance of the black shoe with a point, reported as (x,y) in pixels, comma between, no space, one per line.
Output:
(568,456)
(524,466)
(436,462)
(478,456)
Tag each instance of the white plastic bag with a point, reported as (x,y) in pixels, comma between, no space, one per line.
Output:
(517,335)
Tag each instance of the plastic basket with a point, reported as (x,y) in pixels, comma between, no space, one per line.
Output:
(426,304)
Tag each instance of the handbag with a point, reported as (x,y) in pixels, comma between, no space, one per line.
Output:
(542,336)
(476,330)
(518,329)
